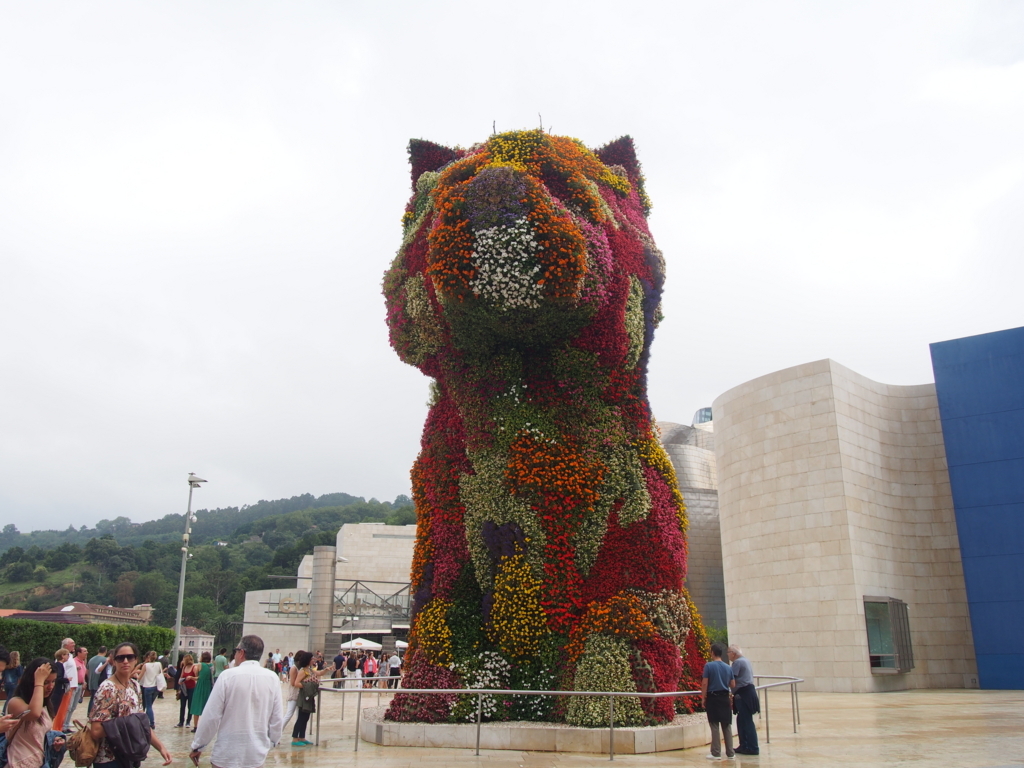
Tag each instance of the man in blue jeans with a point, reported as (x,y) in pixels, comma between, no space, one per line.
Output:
(716,692)
(745,702)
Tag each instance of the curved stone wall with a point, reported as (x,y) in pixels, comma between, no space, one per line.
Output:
(692,451)
(833,487)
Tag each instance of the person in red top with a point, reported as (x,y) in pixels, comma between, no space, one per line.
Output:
(369,670)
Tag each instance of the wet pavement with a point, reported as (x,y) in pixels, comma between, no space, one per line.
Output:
(958,729)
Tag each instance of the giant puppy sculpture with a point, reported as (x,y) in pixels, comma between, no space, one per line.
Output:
(551,549)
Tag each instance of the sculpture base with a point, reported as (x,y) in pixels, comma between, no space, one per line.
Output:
(684,732)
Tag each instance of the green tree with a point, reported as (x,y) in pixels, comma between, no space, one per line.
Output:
(197,611)
(20,571)
(151,587)
(124,589)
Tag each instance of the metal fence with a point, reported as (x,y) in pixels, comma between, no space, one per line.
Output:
(762,689)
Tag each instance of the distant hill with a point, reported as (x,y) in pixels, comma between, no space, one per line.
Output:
(231,551)
(211,524)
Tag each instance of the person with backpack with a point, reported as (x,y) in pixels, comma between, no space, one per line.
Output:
(304,672)
(119,696)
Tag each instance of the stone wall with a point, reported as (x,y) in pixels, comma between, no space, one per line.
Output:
(692,452)
(833,487)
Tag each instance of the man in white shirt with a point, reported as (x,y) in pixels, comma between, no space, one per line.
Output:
(243,712)
(71,673)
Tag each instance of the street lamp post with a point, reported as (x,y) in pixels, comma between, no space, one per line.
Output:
(193,483)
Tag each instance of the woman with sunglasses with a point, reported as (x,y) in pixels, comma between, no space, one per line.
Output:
(118,696)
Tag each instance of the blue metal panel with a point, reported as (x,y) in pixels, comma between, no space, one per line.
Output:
(979,381)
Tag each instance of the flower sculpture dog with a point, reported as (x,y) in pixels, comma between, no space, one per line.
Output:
(550,549)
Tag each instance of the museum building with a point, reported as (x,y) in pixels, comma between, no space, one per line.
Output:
(873,535)
(859,535)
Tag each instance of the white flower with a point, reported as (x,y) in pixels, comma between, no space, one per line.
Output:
(506,267)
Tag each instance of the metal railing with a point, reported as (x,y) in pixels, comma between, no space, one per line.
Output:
(612,695)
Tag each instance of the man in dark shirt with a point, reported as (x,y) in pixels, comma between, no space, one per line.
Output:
(715,692)
(339,667)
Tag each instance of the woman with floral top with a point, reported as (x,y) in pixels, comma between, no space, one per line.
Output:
(118,696)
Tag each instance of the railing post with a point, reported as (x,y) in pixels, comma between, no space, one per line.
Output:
(611,727)
(359,712)
(319,706)
(792,703)
(767,724)
(479,717)
(796,696)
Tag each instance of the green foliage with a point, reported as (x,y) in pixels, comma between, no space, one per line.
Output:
(20,571)
(43,638)
(114,565)
(717,634)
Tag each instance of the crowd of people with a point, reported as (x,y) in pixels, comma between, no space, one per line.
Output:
(240,698)
(43,695)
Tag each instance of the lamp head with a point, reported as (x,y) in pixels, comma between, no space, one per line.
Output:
(194,481)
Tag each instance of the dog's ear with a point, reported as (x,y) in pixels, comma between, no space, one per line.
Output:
(427,156)
(621,152)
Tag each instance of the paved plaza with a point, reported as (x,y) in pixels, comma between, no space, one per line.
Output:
(955,729)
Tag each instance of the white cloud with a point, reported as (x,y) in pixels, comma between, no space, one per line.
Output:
(974,86)
(190,172)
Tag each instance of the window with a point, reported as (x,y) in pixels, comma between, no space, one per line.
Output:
(702,416)
(888,626)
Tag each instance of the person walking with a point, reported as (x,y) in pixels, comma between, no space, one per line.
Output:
(12,674)
(186,684)
(96,673)
(243,712)
(715,692)
(148,675)
(369,670)
(81,675)
(118,696)
(66,681)
(304,671)
(204,684)
(745,702)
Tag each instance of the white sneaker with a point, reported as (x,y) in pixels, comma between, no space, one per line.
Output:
(709,756)
(730,757)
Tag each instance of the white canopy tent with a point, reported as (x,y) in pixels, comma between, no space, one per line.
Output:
(400,644)
(361,642)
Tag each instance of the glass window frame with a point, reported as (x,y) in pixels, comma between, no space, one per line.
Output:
(896,656)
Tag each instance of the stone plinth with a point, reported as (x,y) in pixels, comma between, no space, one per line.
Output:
(686,731)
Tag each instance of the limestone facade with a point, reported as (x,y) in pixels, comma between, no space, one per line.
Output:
(832,488)
(377,556)
(692,451)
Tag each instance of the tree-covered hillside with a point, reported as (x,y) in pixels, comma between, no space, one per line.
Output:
(234,550)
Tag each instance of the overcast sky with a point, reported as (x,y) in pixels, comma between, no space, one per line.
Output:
(198,201)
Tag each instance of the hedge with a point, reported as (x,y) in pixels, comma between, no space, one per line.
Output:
(42,638)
